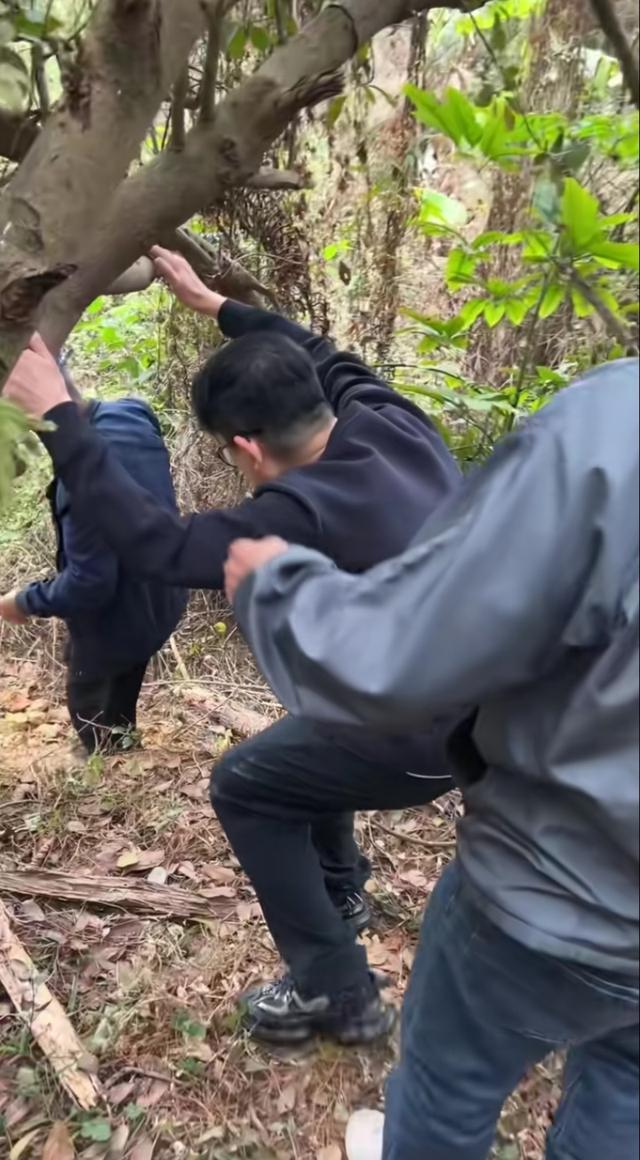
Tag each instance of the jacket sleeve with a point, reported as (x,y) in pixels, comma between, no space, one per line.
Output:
(479,604)
(343,376)
(150,540)
(87,582)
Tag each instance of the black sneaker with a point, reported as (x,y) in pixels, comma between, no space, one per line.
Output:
(356,911)
(277,1013)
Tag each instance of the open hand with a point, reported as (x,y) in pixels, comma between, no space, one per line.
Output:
(182,279)
(245,557)
(10,611)
(36,383)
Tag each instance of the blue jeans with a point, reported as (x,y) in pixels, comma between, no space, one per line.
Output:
(481,1009)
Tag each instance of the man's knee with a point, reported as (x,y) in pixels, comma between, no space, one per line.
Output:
(234,776)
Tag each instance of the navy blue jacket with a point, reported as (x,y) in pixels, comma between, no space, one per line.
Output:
(384,471)
(115,620)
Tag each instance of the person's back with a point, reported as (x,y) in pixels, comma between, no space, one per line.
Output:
(116,622)
(143,613)
(550,836)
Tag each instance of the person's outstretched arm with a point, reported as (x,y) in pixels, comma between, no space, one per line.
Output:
(343,375)
(481,603)
(87,582)
(150,541)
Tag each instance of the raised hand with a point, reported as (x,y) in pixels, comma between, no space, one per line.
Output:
(36,383)
(182,279)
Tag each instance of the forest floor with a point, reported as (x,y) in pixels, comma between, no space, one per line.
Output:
(153,997)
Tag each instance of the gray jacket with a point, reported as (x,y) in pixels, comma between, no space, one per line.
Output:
(521,598)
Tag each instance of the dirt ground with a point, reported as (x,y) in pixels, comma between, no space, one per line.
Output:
(153,996)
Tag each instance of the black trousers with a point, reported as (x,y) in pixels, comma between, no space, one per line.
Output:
(102,708)
(285,800)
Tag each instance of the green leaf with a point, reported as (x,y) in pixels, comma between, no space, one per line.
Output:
(463,116)
(335,108)
(619,254)
(134,1112)
(438,207)
(516,309)
(183,1022)
(460,269)
(237,44)
(335,250)
(494,313)
(434,113)
(582,308)
(98,1130)
(552,298)
(579,212)
(260,38)
(471,311)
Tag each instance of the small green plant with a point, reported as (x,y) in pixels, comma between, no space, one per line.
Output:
(570,255)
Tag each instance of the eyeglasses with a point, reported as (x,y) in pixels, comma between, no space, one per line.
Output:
(225,451)
(225,454)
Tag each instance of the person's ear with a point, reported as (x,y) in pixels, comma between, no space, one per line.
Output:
(251,447)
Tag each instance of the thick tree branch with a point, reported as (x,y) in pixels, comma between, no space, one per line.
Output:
(275,179)
(180,92)
(225,152)
(218,270)
(40,80)
(610,24)
(17,134)
(114,84)
(207,96)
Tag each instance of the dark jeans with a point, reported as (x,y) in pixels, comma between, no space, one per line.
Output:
(100,706)
(480,1010)
(285,800)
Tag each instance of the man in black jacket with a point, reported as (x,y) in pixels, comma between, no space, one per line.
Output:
(116,622)
(338,461)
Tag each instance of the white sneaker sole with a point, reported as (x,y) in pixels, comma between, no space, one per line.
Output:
(364,1136)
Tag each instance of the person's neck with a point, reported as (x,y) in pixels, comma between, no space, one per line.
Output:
(316,446)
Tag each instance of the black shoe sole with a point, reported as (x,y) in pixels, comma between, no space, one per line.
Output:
(294,1037)
(361,923)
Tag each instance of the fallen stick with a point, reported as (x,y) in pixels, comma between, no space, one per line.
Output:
(46,1017)
(245,722)
(144,897)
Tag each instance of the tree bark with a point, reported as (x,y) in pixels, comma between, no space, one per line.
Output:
(224,152)
(113,87)
(17,134)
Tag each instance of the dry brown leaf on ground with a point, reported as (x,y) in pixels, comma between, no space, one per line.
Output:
(58,1145)
(331,1152)
(22,1146)
(118,1142)
(287,1099)
(142,1149)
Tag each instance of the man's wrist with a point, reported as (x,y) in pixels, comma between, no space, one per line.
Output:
(212,304)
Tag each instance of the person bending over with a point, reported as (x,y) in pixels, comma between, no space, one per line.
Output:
(116,622)
(338,461)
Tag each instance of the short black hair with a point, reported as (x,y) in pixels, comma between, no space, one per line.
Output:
(261,384)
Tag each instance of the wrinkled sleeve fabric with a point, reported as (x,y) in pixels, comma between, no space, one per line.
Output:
(151,541)
(87,582)
(477,605)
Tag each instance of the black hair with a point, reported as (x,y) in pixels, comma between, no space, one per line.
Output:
(261,384)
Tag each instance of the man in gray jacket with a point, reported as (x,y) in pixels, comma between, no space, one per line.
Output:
(520,598)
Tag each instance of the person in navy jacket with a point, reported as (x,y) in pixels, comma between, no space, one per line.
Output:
(116,622)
